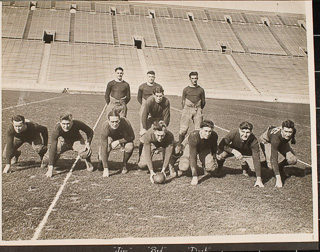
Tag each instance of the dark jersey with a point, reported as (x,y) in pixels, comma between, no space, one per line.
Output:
(156,110)
(196,144)
(118,90)
(69,137)
(167,143)
(124,133)
(145,91)
(250,147)
(194,94)
(26,136)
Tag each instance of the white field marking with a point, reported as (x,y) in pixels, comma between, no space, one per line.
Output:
(56,198)
(216,126)
(28,103)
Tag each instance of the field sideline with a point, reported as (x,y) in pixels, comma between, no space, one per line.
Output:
(92,207)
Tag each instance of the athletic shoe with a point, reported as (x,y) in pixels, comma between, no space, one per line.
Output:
(15,158)
(89,166)
(124,170)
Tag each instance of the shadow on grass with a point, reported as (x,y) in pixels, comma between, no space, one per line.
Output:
(26,165)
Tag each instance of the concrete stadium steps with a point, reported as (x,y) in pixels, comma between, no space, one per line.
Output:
(14,21)
(292,19)
(172,68)
(276,76)
(105,7)
(258,39)
(93,28)
(214,32)
(177,33)
(22,60)
(44,19)
(89,67)
(294,38)
(21,3)
(44,4)
(143,10)
(129,26)
(256,18)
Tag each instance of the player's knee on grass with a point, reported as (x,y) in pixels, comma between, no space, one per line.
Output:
(291,158)
(128,147)
(39,148)
(142,164)
(184,164)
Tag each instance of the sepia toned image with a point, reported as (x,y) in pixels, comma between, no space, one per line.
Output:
(148,122)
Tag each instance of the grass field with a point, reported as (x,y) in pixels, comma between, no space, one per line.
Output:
(129,205)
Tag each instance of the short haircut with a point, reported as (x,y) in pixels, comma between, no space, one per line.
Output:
(288,124)
(207,123)
(160,126)
(18,118)
(193,73)
(66,116)
(158,90)
(113,112)
(118,68)
(151,72)
(246,125)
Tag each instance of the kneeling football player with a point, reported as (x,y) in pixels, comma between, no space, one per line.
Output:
(242,144)
(66,136)
(274,140)
(24,131)
(156,138)
(117,133)
(202,142)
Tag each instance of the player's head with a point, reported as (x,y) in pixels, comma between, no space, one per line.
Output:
(158,94)
(206,129)
(66,121)
(151,76)
(114,119)
(245,130)
(119,73)
(19,123)
(159,130)
(194,76)
(288,131)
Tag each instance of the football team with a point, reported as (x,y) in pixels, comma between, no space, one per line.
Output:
(117,134)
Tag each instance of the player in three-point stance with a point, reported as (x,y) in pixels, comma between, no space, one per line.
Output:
(24,131)
(118,93)
(66,136)
(156,138)
(274,140)
(202,142)
(156,108)
(146,90)
(244,145)
(117,133)
(193,101)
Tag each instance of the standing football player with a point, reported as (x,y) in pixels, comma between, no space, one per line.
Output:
(244,146)
(202,142)
(66,136)
(117,133)
(24,131)
(193,102)
(274,140)
(146,90)
(118,93)
(156,138)
(156,108)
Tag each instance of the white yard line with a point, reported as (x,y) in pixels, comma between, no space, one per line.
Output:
(216,126)
(28,103)
(56,198)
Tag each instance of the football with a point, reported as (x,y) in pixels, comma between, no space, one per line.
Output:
(159,178)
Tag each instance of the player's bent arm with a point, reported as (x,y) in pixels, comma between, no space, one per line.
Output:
(147,149)
(104,149)
(144,116)
(274,155)
(44,132)
(107,94)
(203,100)
(129,136)
(166,114)
(53,150)
(167,156)
(139,96)
(9,149)
(256,163)
(224,145)
(236,153)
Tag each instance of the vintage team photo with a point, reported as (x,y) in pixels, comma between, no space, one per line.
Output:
(129,122)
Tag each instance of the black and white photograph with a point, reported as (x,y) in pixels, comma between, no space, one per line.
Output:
(158,122)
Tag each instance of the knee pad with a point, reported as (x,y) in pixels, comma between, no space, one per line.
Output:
(211,165)
(128,147)
(85,154)
(184,164)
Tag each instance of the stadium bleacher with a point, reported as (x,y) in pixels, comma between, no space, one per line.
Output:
(44,19)
(93,28)
(224,46)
